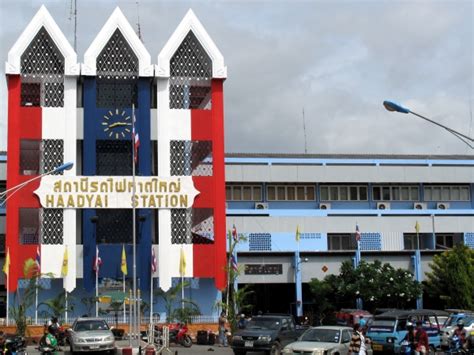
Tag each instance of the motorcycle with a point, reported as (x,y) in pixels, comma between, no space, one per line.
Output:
(455,346)
(407,348)
(13,344)
(48,345)
(178,334)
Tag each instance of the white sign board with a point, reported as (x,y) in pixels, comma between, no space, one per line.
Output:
(56,191)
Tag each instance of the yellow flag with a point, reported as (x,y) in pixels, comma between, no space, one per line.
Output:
(64,268)
(182,263)
(417,227)
(298,234)
(123,265)
(6,266)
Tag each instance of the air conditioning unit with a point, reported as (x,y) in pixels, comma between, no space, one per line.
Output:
(261,206)
(383,205)
(442,205)
(324,206)
(419,206)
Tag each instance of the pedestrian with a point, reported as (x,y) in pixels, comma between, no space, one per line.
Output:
(421,338)
(222,332)
(357,344)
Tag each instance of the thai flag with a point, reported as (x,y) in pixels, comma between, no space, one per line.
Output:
(153,260)
(97,261)
(357,233)
(233,262)
(38,259)
(234,233)
(135,138)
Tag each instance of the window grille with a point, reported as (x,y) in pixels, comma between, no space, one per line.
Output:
(42,73)
(52,155)
(113,158)
(194,226)
(260,242)
(191,158)
(51,226)
(469,240)
(115,226)
(117,73)
(370,241)
(190,76)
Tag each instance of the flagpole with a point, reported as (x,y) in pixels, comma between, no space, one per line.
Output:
(8,291)
(151,293)
(124,308)
(97,281)
(36,300)
(135,325)
(65,301)
(228,275)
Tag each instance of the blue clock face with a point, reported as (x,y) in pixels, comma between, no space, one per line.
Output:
(117,124)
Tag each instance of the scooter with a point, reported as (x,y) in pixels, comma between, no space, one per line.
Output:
(455,346)
(178,334)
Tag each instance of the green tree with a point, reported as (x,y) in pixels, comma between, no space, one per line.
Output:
(322,291)
(89,303)
(56,307)
(172,300)
(451,278)
(377,284)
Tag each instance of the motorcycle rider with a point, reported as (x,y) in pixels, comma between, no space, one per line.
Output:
(461,333)
(54,324)
(410,336)
(49,340)
(421,338)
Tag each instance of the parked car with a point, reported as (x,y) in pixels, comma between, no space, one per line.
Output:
(268,333)
(448,330)
(388,329)
(327,340)
(91,334)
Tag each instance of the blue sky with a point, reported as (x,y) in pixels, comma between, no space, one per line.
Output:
(338,60)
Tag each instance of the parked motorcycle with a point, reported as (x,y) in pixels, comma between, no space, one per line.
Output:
(407,348)
(178,334)
(48,344)
(12,344)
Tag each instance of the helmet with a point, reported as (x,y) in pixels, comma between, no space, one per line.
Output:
(460,323)
(51,329)
(409,325)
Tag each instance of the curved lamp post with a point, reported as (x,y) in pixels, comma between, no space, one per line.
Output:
(394,107)
(12,190)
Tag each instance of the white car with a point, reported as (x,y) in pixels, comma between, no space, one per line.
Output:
(324,340)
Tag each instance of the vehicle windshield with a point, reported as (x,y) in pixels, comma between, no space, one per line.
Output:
(386,325)
(264,323)
(321,335)
(83,326)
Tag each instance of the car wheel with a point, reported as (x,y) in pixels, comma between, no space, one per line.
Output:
(276,349)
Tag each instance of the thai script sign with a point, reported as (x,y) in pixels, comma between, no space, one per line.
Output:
(116,192)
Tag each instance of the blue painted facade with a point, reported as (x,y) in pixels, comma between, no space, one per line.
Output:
(93,131)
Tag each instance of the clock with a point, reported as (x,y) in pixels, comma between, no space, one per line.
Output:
(116,124)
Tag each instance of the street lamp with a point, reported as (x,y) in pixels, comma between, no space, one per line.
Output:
(393,107)
(15,189)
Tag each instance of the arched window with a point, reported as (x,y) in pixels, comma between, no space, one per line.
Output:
(190,76)
(117,74)
(42,73)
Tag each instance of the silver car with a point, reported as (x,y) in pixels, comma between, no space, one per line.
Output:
(91,334)
(323,340)
(448,331)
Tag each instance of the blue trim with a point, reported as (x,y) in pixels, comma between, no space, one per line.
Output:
(346,212)
(3,158)
(376,162)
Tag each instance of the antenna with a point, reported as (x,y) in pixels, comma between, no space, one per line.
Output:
(304,132)
(138,21)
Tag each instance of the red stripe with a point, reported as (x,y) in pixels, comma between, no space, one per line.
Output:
(209,260)
(23,122)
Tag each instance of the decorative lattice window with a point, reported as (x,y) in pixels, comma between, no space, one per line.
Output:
(42,73)
(191,158)
(192,226)
(52,155)
(370,241)
(114,226)
(117,73)
(469,240)
(113,158)
(260,241)
(190,76)
(51,226)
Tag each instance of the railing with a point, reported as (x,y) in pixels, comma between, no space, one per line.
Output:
(110,319)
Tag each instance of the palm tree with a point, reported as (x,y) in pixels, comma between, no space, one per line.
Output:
(170,297)
(56,306)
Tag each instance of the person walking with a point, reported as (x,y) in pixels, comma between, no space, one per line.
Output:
(421,338)
(222,333)
(357,344)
